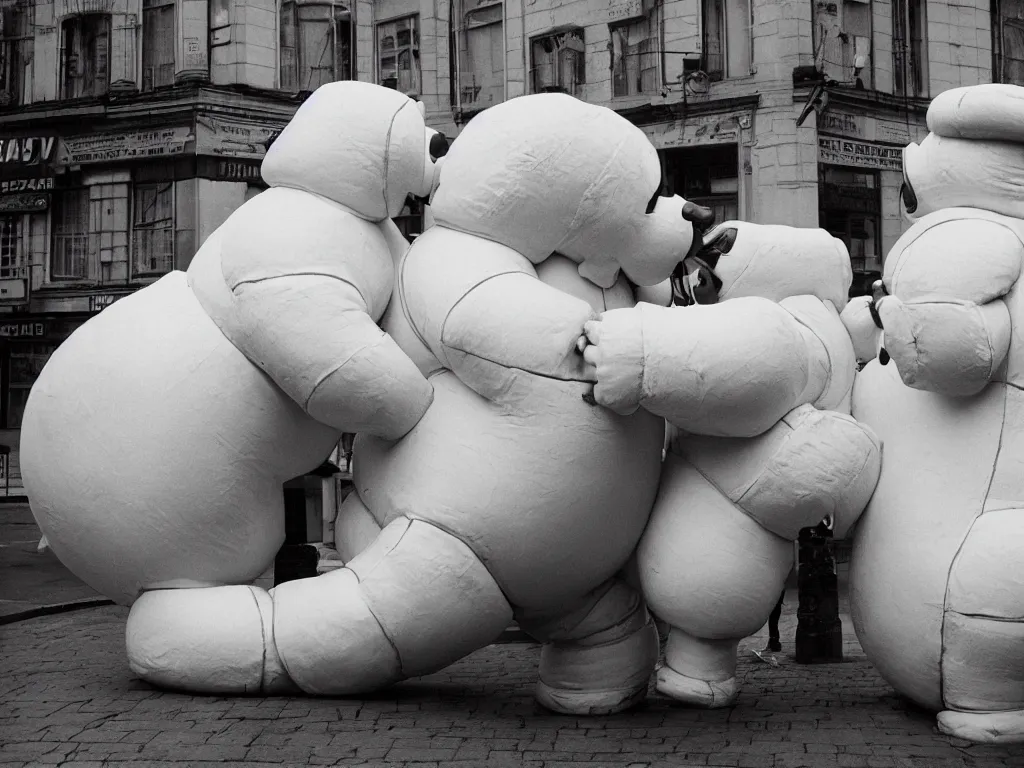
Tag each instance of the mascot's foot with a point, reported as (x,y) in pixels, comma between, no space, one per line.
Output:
(604,702)
(598,679)
(705,694)
(984,727)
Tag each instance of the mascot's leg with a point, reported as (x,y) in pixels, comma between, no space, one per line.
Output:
(598,656)
(414,601)
(983,633)
(714,575)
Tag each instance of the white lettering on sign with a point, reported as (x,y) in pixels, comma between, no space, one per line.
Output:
(26,185)
(235,138)
(859,154)
(29,150)
(15,330)
(124,146)
(625,10)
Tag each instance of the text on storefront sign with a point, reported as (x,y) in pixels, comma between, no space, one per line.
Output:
(125,146)
(28,150)
(44,184)
(22,330)
(859,154)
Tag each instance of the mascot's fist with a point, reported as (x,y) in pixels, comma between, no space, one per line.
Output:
(614,347)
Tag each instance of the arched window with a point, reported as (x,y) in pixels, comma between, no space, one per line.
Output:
(316,44)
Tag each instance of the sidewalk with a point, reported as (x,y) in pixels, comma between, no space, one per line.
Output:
(68,698)
(30,580)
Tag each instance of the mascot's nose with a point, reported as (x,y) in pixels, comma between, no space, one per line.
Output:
(438,146)
(702,218)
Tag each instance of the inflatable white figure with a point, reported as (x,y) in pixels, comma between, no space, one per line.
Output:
(755,374)
(937,575)
(158,436)
(512,492)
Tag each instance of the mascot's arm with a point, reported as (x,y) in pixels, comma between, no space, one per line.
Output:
(306,297)
(949,330)
(481,310)
(731,369)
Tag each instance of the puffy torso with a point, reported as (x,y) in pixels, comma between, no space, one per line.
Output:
(946,461)
(149,441)
(551,492)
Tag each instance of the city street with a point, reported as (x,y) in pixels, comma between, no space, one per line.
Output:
(68,698)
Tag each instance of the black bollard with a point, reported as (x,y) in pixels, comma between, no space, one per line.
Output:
(819,631)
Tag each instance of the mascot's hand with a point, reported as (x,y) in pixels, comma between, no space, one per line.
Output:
(614,347)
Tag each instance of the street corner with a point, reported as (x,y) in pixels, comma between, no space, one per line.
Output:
(68,698)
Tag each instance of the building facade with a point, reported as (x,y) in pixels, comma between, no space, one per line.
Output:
(130,129)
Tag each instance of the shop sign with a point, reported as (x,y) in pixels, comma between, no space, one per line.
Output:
(14,186)
(26,202)
(26,150)
(30,330)
(859,154)
(863,127)
(624,9)
(101,301)
(79,7)
(219,136)
(721,129)
(238,170)
(77,150)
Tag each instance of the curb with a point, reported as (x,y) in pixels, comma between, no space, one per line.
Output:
(50,610)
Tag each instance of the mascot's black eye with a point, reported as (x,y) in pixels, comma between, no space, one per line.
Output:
(438,145)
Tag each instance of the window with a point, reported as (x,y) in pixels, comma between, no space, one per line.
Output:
(842,41)
(481,55)
(157,44)
(10,246)
(398,55)
(85,69)
(558,62)
(707,176)
(16,28)
(316,44)
(70,253)
(636,53)
(727,40)
(26,363)
(153,228)
(850,205)
(1008,42)
(909,50)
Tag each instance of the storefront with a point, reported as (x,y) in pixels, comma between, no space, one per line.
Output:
(703,157)
(860,171)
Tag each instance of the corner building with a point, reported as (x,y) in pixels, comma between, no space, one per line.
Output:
(130,129)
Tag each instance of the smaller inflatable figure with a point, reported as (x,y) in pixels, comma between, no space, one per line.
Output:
(755,374)
(156,439)
(937,574)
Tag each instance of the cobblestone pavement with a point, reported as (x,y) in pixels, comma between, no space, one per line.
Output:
(67,698)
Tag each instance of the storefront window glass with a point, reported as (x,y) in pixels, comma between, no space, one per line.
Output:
(153,228)
(10,246)
(850,205)
(26,362)
(481,42)
(69,259)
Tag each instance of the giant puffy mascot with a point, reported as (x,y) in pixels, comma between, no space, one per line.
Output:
(513,494)
(157,438)
(937,574)
(755,373)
